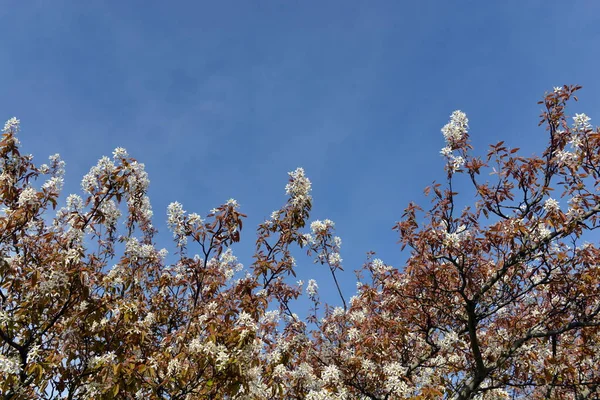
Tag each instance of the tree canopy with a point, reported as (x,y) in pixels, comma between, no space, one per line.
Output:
(498,300)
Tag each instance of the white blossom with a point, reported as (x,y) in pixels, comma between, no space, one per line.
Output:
(9,365)
(551,206)
(582,122)
(331,374)
(12,126)
(232,203)
(456,129)
(27,196)
(312,288)
(298,188)
(120,152)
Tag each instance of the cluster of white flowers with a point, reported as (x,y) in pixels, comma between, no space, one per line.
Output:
(111,213)
(136,250)
(455,238)
(27,196)
(12,126)
(321,226)
(9,365)
(176,222)
(91,180)
(232,203)
(551,206)
(394,381)
(104,359)
(565,157)
(138,183)
(269,317)
(54,279)
(379,267)
(455,130)
(173,367)
(581,122)
(298,188)
(53,185)
(575,209)
(245,320)
(454,162)
(120,153)
(312,288)
(74,202)
(331,374)
(228,264)
(540,232)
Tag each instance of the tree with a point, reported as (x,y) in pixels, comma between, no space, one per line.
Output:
(499,300)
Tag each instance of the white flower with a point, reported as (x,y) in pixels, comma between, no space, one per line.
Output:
(312,288)
(74,202)
(551,206)
(9,365)
(120,152)
(582,122)
(379,267)
(331,374)
(455,130)
(394,382)
(222,358)
(457,163)
(318,227)
(298,188)
(174,366)
(175,222)
(557,89)
(27,196)
(446,151)
(53,184)
(233,203)
(12,125)
(334,259)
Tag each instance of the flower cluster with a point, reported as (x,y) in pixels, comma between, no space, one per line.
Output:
(455,134)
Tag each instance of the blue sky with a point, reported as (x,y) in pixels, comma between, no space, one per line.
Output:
(222,99)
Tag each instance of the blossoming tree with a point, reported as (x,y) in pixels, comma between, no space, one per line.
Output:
(498,300)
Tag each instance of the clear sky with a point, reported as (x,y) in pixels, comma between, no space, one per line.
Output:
(221,99)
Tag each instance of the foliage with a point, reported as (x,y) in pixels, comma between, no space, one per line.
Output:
(499,300)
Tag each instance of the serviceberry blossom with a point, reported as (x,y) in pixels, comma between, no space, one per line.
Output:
(74,202)
(551,206)
(9,366)
(120,153)
(91,181)
(456,129)
(298,188)
(457,163)
(334,259)
(582,122)
(27,196)
(53,184)
(455,238)
(176,222)
(232,203)
(311,288)
(331,374)
(446,151)
(12,126)
(557,89)
(57,164)
(321,226)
